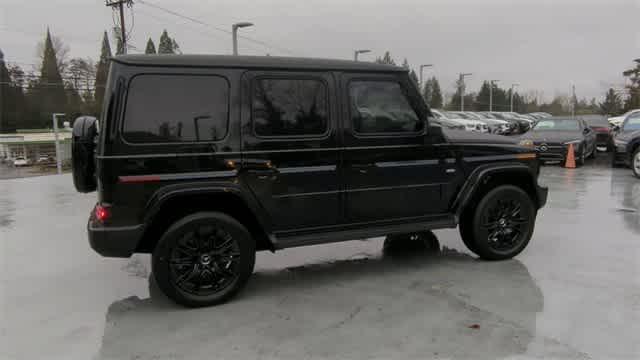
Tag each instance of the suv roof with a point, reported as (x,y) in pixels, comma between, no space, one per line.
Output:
(257,62)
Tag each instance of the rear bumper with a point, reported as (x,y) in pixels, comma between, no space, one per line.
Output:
(114,241)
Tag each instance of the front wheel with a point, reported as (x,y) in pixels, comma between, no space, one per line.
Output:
(635,163)
(203,259)
(501,225)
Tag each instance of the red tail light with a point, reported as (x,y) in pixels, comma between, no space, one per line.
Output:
(102,212)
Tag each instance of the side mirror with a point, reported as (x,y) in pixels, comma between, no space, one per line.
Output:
(616,128)
(586,131)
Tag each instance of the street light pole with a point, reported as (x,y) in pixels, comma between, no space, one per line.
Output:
(512,89)
(55,132)
(491,83)
(462,76)
(234,34)
(358,52)
(421,68)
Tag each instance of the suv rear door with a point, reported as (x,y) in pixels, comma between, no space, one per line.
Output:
(290,147)
(389,171)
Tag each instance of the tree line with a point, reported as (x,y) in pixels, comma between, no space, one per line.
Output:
(59,84)
(615,102)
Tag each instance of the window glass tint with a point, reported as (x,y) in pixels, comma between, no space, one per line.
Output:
(289,107)
(381,107)
(633,122)
(176,108)
(561,125)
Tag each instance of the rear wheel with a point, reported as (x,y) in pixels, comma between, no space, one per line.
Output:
(501,226)
(635,163)
(203,259)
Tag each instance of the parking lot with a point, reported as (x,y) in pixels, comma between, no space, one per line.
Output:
(574,293)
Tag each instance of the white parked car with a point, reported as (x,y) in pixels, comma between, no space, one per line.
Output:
(469,125)
(618,120)
(20,161)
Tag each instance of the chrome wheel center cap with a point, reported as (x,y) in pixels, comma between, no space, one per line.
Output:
(205,259)
(502,222)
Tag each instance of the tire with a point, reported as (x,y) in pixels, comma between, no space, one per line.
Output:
(204,259)
(581,159)
(635,163)
(495,208)
(593,152)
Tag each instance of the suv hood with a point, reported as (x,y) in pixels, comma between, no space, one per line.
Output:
(466,137)
(551,136)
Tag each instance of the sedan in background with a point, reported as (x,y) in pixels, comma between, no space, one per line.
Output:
(551,137)
(469,125)
(604,133)
(451,124)
(496,126)
(20,161)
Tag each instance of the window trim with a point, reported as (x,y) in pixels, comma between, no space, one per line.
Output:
(172,143)
(410,100)
(320,79)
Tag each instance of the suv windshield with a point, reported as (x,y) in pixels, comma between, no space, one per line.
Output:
(557,125)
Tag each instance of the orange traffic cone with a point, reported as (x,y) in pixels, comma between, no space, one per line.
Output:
(571,158)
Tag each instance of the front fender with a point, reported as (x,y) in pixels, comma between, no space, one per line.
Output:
(484,172)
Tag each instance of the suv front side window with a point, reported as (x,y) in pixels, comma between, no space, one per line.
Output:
(290,107)
(381,107)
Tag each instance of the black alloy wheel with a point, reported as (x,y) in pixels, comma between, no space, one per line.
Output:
(204,259)
(501,225)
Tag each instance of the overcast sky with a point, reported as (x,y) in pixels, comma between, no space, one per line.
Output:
(543,45)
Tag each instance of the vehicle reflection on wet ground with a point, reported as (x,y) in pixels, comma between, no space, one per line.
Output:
(573,293)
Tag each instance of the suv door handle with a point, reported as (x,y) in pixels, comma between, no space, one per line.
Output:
(363,168)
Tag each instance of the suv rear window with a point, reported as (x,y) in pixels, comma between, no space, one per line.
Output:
(176,108)
(290,107)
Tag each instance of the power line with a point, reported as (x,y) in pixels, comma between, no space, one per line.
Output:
(194,20)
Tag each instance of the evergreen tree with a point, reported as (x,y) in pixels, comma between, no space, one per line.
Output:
(49,94)
(167,45)
(102,71)
(437,101)
(386,59)
(413,76)
(427,91)
(8,97)
(484,97)
(119,43)
(151,47)
(633,100)
(612,104)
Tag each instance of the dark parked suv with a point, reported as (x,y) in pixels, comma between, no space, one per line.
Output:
(203,160)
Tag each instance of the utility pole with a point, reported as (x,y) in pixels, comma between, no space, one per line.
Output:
(55,132)
(491,83)
(421,68)
(573,101)
(462,76)
(123,34)
(512,89)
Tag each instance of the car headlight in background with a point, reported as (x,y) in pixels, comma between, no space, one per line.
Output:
(526,143)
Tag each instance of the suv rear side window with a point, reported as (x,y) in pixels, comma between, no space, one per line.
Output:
(290,107)
(176,108)
(381,107)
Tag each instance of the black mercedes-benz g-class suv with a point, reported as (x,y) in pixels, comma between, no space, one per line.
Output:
(203,160)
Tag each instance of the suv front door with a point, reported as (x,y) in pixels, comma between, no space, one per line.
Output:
(390,173)
(290,148)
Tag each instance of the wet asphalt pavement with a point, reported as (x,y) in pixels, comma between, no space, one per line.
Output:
(574,293)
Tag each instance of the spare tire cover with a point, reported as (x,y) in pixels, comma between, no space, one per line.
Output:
(83,144)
